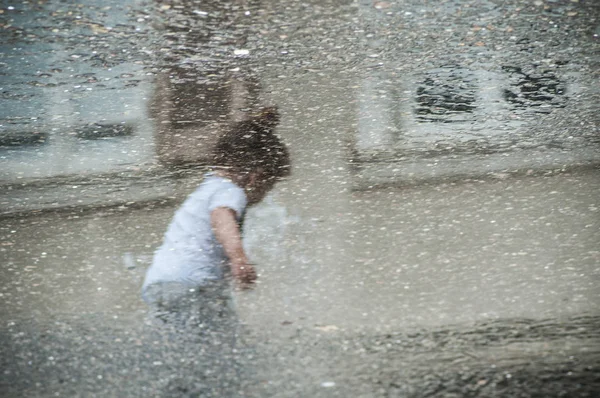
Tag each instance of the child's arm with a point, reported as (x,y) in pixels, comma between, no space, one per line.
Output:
(227,232)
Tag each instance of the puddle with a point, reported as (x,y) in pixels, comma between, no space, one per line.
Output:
(423,193)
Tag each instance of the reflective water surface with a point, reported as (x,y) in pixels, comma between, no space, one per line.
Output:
(438,235)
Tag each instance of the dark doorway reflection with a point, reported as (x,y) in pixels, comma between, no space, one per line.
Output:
(191,107)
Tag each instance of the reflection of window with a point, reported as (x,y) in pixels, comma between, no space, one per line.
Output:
(538,88)
(446,95)
(99,131)
(18,139)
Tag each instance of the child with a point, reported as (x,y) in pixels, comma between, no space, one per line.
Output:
(203,242)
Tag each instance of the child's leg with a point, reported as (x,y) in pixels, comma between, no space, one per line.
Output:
(203,309)
(202,321)
(170,302)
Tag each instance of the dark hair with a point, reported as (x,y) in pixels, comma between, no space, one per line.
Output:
(252,144)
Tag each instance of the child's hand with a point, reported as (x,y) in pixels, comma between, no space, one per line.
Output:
(227,232)
(244,274)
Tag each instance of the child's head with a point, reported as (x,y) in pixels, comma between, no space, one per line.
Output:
(254,154)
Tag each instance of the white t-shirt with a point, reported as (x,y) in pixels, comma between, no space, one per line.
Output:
(190,252)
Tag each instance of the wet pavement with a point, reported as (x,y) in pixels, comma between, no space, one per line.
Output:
(438,235)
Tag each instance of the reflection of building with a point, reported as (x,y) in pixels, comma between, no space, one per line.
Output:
(454,121)
(191,108)
(77,99)
(76,103)
(437,101)
(63,111)
(414,113)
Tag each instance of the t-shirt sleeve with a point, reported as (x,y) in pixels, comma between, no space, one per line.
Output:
(230,196)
